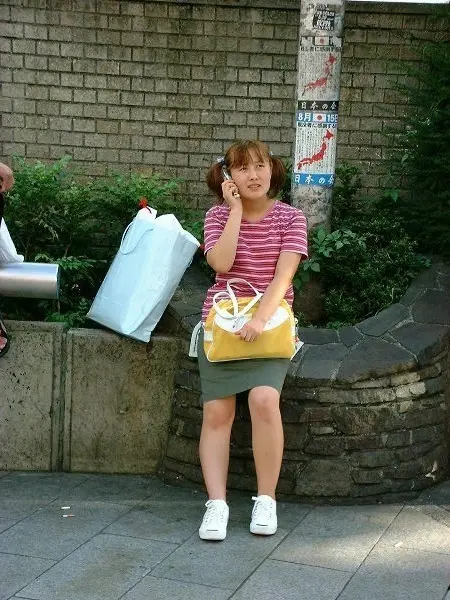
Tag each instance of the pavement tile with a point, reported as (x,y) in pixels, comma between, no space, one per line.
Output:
(16,509)
(104,568)
(289,514)
(18,571)
(34,484)
(400,573)
(151,588)
(23,493)
(219,564)
(279,580)
(47,534)
(414,529)
(440,495)
(173,521)
(176,514)
(438,513)
(121,489)
(336,537)
(134,537)
(166,493)
(6,524)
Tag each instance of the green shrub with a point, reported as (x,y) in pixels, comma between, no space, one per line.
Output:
(52,217)
(366,261)
(365,276)
(322,245)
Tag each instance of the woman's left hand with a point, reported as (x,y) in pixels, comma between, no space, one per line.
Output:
(251,330)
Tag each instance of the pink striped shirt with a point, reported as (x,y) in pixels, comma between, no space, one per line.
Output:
(282,229)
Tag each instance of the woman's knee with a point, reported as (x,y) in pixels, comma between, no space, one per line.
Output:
(264,403)
(219,413)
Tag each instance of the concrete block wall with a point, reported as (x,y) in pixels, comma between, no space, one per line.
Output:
(84,400)
(160,86)
(117,402)
(31,394)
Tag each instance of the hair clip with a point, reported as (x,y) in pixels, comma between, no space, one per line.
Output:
(221,160)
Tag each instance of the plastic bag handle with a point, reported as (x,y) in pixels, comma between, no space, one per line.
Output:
(125,252)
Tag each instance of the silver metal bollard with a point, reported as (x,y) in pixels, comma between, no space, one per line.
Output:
(30,280)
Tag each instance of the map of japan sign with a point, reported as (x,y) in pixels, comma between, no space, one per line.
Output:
(315,148)
(315,143)
(319,66)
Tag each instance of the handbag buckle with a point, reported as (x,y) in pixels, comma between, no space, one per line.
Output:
(239,323)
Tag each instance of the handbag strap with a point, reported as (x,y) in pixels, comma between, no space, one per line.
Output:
(240,280)
(229,294)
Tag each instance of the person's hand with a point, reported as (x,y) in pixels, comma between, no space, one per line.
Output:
(6,178)
(230,193)
(251,330)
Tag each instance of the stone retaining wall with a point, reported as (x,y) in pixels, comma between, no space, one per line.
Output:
(84,400)
(365,410)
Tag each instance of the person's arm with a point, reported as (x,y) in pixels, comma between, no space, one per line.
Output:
(294,246)
(287,266)
(221,256)
(6,178)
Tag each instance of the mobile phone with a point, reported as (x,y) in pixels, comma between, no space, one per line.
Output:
(225,173)
(227,176)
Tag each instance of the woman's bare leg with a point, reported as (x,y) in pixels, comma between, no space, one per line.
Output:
(218,417)
(267,437)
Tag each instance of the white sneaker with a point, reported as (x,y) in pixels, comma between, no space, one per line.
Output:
(215,520)
(264,516)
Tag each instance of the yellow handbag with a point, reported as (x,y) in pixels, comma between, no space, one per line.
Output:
(229,314)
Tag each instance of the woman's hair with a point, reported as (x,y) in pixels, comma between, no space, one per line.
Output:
(238,155)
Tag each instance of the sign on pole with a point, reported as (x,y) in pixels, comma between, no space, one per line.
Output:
(319,67)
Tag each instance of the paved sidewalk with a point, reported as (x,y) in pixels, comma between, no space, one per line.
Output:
(135,538)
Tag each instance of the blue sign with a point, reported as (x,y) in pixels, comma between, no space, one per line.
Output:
(320,179)
(327,119)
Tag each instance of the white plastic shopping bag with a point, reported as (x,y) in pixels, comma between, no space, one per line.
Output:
(8,253)
(146,271)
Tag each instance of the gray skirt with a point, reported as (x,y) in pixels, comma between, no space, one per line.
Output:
(223,379)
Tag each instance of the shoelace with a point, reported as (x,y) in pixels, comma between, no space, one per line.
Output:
(212,512)
(261,507)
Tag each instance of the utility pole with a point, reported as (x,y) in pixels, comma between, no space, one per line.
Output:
(318,85)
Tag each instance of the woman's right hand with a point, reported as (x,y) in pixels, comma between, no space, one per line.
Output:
(231,195)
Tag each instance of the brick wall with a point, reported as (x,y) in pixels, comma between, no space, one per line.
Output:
(159,86)
(377,39)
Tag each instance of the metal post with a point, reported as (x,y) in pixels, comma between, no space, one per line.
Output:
(319,66)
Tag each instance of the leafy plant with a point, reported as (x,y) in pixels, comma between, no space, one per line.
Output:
(365,262)
(375,267)
(322,246)
(54,218)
